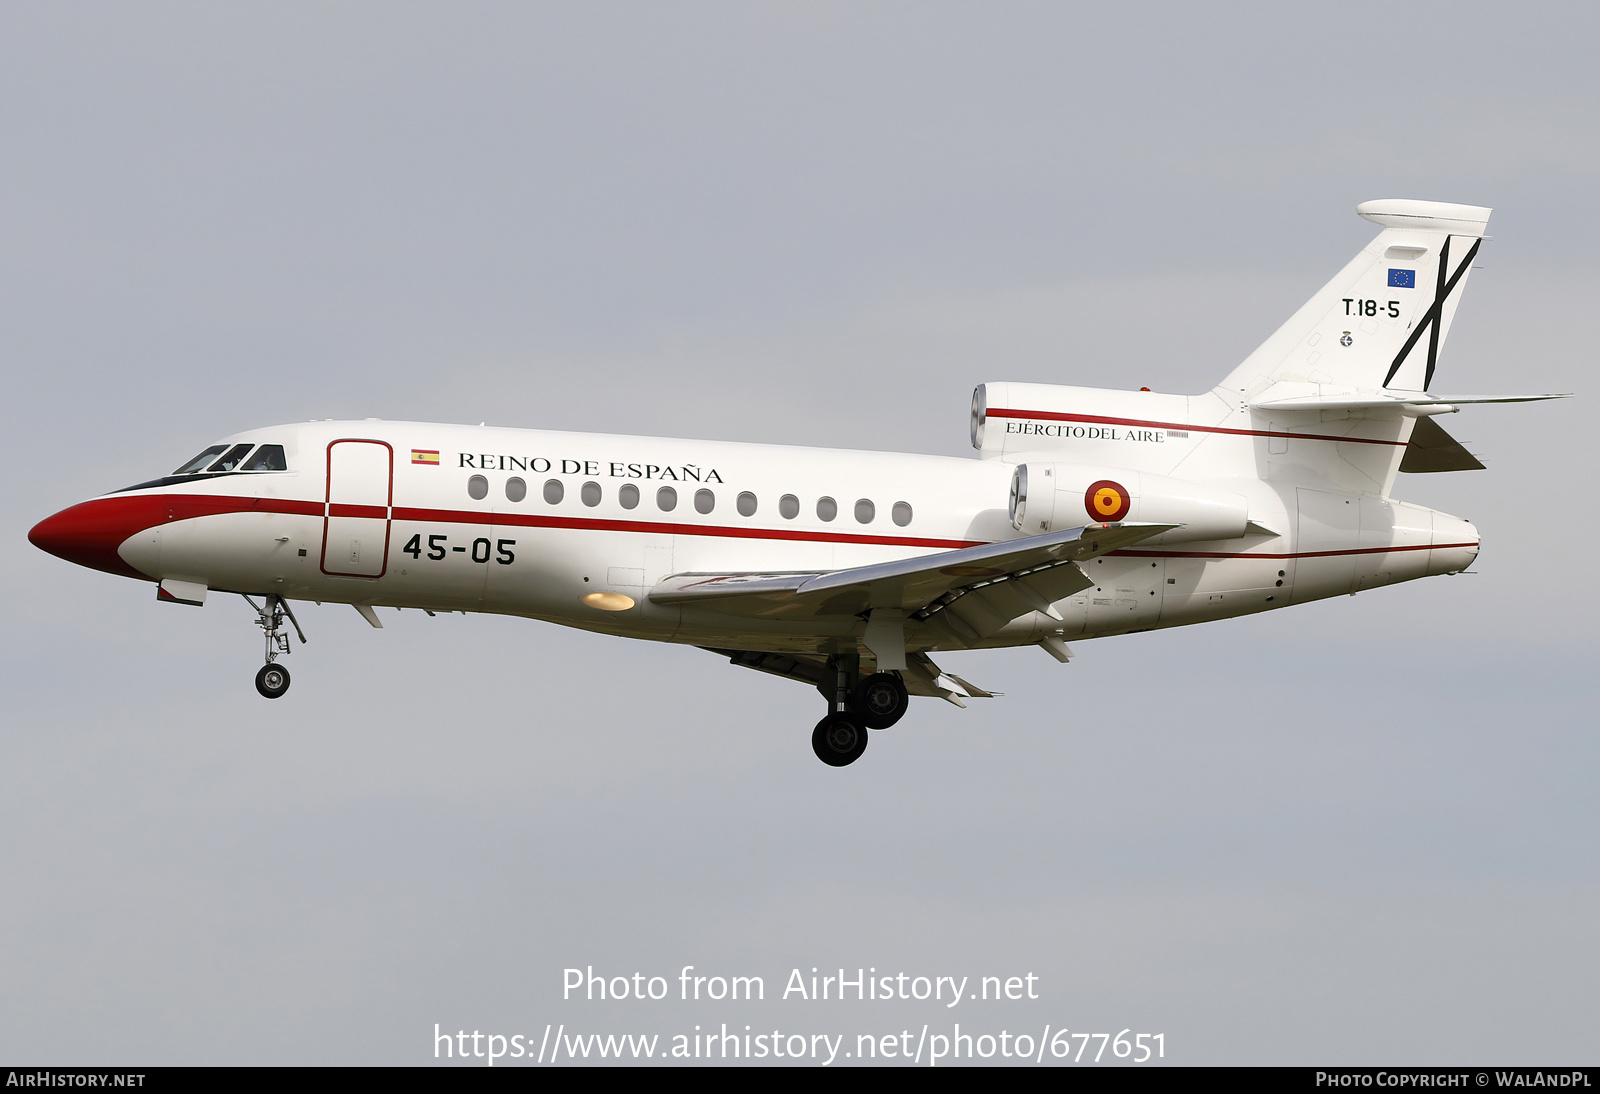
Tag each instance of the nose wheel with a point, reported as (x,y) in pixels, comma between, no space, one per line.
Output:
(272,681)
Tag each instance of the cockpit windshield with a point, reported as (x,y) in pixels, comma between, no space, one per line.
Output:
(223,459)
(269,457)
(233,459)
(198,464)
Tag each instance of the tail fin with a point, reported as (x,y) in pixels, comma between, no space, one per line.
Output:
(1380,322)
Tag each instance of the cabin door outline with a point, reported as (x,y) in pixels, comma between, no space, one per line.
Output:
(358,508)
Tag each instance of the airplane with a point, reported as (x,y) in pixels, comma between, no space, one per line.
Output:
(1088,512)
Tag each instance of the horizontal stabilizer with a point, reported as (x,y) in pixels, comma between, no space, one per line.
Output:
(1398,399)
(1426,216)
(909,584)
(1432,450)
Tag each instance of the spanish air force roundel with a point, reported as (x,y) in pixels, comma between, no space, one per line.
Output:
(1107,500)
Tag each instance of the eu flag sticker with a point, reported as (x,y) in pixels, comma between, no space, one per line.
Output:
(1402,279)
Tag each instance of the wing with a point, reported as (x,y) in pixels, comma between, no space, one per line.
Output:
(1010,578)
(921,676)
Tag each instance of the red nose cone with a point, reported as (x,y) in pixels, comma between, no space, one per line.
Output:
(89,534)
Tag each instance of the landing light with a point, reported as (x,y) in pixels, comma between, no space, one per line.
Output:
(609,602)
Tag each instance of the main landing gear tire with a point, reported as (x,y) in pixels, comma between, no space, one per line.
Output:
(880,700)
(272,681)
(838,740)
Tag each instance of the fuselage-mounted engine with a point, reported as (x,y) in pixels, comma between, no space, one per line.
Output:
(1047,497)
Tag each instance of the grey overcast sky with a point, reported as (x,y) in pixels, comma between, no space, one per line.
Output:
(1361,831)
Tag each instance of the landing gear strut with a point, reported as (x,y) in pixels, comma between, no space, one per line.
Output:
(273,680)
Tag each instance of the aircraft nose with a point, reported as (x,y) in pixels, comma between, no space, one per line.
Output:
(89,533)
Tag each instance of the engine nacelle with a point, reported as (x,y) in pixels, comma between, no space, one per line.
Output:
(1047,497)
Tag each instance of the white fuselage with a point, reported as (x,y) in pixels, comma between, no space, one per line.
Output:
(365,515)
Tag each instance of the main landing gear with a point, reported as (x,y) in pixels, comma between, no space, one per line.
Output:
(858,703)
(839,739)
(880,700)
(273,680)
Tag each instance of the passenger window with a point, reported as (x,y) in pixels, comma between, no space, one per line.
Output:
(233,459)
(746,504)
(827,508)
(788,507)
(865,511)
(901,513)
(196,465)
(628,495)
(590,494)
(516,489)
(554,491)
(477,488)
(666,499)
(704,501)
(269,457)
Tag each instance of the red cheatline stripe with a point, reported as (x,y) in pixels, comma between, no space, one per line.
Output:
(189,506)
(1100,419)
(723,531)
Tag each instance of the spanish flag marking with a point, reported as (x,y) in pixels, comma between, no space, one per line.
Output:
(425,455)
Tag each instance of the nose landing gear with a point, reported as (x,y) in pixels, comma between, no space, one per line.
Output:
(273,680)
